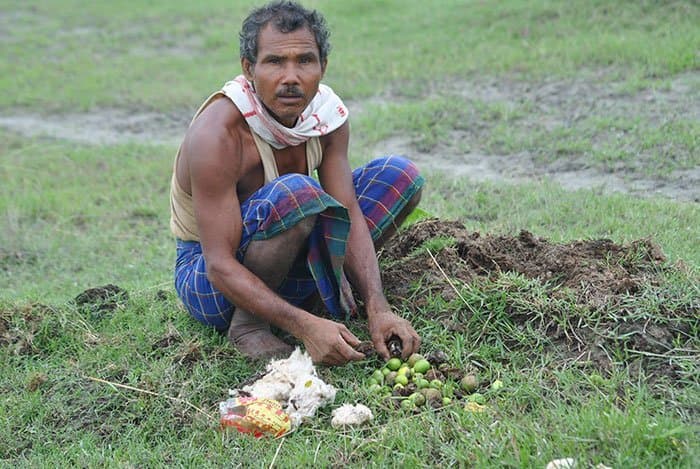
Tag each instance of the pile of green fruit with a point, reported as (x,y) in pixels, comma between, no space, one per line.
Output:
(425,381)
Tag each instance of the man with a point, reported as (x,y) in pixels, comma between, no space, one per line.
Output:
(257,237)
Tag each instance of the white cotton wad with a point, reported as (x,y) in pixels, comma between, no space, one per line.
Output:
(295,384)
(306,397)
(348,414)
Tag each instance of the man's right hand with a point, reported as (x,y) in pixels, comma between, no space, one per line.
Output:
(330,343)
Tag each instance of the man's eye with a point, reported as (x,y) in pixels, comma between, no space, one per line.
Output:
(275,60)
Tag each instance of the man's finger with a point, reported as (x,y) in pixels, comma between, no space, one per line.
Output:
(406,345)
(409,342)
(413,343)
(349,337)
(380,347)
(347,352)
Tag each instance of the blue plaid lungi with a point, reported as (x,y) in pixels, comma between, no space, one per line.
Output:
(383,188)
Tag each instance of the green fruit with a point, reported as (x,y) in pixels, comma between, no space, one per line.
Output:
(374,388)
(436,383)
(497,385)
(408,404)
(378,376)
(398,386)
(417,398)
(401,379)
(421,366)
(394,364)
(371,382)
(446,400)
(432,396)
(469,383)
(417,376)
(404,370)
(385,371)
(390,378)
(413,359)
(478,398)
(423,383)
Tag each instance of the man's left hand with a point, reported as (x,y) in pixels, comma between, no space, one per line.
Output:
(384,324)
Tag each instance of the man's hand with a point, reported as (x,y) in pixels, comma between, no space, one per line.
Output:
(384,324)
(330,343)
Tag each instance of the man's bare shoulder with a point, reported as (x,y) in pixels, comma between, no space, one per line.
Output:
(211,152)
(215,140)
(220,123)
(337,140)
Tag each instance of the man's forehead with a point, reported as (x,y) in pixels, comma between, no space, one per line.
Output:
(272,41)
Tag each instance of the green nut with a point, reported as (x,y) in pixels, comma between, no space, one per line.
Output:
(421,366)
(413,359)
(401,379)
(469,383)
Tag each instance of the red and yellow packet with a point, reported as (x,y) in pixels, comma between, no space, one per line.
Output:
(259,417)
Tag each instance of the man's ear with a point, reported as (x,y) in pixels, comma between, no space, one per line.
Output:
(324,64)
(248,68)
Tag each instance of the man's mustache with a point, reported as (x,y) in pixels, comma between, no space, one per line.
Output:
(290,92)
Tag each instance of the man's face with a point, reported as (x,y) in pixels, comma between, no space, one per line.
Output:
(287,72)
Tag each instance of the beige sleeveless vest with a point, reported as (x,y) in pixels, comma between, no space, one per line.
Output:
(182,220)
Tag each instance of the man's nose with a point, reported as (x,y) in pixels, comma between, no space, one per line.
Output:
(291,74)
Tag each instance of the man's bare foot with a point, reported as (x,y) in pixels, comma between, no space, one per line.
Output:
(253,338)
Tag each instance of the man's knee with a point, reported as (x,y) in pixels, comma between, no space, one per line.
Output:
(295,182)
(414,201)
(399,163)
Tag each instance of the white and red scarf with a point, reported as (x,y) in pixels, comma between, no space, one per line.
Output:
(325,113)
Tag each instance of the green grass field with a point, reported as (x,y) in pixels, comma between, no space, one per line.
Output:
(77,215)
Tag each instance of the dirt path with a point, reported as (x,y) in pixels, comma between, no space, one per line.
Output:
(562,104)
(553,104)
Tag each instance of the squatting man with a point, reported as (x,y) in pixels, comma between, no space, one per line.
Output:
(258,238)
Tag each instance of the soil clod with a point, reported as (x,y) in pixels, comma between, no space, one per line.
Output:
(102,299)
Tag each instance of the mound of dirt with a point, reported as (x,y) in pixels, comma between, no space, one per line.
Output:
(102,299)
(596,269)
(595,277)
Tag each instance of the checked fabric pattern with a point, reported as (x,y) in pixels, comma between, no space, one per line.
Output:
(383,188)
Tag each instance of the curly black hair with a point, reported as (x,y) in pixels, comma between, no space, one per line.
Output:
(286,16)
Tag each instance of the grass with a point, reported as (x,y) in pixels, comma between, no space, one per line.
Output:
(76,216)
(192,48)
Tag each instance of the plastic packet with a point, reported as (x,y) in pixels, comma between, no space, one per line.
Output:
(256,416)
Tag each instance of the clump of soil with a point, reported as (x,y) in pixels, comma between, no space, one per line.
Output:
(596,270)
(102,299)
(596,277)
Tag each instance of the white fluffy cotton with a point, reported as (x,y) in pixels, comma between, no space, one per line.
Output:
(295,384)
(348,414)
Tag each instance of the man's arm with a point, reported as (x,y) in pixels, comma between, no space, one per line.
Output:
(361,259)
(215,166)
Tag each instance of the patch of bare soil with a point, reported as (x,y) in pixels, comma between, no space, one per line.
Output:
(556,105)
(102,127)
(102,299)
(19,327)
(597,277)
